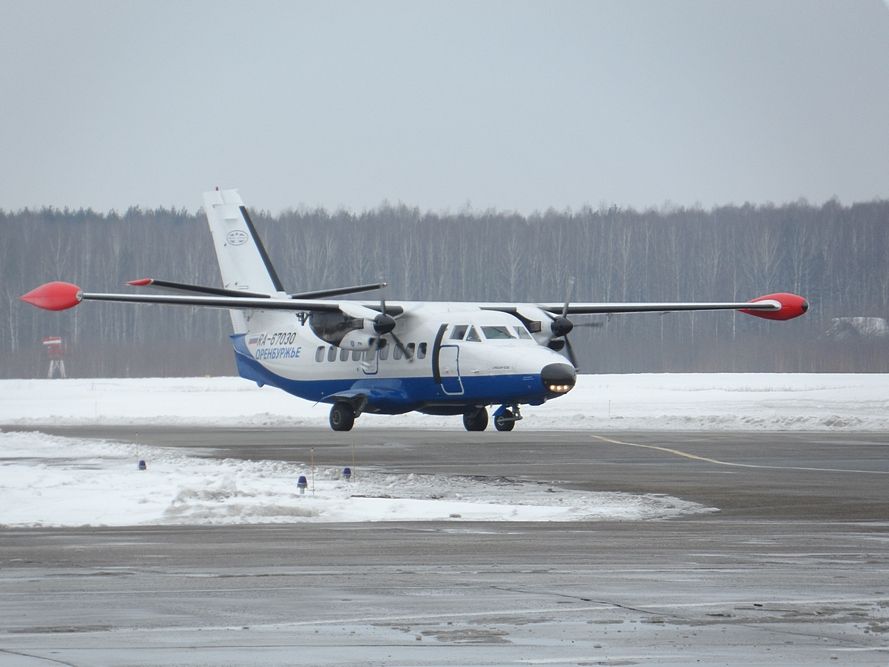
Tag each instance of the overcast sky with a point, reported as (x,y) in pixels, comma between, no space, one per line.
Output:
(512,105)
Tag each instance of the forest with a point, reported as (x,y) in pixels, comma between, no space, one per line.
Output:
(835,255)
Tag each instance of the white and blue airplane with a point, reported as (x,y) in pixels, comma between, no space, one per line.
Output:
(439,358)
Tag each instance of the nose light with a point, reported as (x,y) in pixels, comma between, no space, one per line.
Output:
(558,378)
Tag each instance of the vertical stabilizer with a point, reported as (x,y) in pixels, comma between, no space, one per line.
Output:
(243,261)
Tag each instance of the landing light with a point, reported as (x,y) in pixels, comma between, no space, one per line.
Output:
(560,388)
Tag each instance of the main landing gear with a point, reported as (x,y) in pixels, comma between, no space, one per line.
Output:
(342,416)
(476,419)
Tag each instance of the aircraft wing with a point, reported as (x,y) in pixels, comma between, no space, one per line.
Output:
(61,296)
(780,306)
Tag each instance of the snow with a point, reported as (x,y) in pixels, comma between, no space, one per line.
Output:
(718,401)
(51,481)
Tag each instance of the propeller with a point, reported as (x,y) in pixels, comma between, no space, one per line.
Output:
(384,324)
(561,326)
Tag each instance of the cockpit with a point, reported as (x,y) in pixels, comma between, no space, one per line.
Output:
(474,333)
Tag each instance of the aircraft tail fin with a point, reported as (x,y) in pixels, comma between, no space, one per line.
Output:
(243,261)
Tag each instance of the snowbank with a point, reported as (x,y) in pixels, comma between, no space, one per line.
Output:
(51,481)
(719,401)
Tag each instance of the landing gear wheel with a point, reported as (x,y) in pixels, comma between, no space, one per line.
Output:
(504,421)
(342,417)
(475,420)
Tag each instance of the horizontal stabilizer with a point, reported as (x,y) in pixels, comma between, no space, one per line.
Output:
(192,289)
(219,291)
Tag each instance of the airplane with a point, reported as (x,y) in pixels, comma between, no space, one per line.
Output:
(379,357)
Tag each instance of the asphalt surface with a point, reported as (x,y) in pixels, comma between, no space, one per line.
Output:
(792,569)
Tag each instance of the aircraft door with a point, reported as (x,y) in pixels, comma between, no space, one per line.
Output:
(449,370)
(446,365)
(370,362)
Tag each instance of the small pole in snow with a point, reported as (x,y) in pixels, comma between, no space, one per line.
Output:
(353,455)
(313,469)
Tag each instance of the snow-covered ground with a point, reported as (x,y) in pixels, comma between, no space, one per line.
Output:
(759,401)
(48,480)
(52,481)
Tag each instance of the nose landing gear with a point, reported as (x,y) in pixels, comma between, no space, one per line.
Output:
(505,417)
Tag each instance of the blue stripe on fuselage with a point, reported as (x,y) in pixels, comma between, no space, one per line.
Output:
(396,395)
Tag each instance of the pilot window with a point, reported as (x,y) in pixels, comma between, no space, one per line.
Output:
(458,332)
(473,335)
(496,333)
(522,332)
(421,351)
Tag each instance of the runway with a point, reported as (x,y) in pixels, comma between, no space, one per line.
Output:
(793,568)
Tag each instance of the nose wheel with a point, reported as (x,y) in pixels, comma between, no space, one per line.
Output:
(504,421)
(506,417)
(475,419)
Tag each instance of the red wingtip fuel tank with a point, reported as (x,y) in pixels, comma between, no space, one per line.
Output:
(792,305)
(54,296)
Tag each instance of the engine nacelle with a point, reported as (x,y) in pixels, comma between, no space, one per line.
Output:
(538,322)
(351,333)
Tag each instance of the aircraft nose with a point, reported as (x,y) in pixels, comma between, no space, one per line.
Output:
(558,378)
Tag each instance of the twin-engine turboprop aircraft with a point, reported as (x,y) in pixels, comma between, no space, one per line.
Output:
(438,358)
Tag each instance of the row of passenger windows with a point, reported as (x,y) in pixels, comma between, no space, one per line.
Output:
(470,333)
(331,353)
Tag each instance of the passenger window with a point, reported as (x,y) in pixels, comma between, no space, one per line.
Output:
(421,351)
(370,354)
(319,354)
(344,354)
(396,352)
(411,350)
(356,355)
(473,335)
(384,353)
(331,353)
(458,332)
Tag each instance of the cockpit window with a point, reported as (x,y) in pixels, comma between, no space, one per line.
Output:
(458,332)
(473,335)
(495,333)
(522,332)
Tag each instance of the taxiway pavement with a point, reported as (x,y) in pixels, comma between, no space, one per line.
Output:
(792,569)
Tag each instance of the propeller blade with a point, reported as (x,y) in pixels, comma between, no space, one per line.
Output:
(404,350)
(570,350)
(568,295)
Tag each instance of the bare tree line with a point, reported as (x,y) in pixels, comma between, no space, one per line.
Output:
(834,255)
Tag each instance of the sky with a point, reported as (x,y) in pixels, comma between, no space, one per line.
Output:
(517,106)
